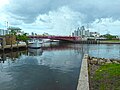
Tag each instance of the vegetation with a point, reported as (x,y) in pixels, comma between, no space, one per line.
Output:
(109,36)
(22,37)
(15,30)
(117,40)
(107,77)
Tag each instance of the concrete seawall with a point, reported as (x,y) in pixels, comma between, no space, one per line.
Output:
(97,42)
(83,81)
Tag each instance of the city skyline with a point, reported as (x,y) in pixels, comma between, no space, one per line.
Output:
(61,17)
(83,32)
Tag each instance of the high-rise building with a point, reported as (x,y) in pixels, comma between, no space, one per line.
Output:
(87,33)
(79,32)
(73,34)
(3,32)
(82,31)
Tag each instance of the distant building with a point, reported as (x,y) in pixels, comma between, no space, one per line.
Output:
(19,32)
(73,34)
(3,32)
(85,33)
(79,32)
(46,34)
(82,31)
(95,34)
(32,33)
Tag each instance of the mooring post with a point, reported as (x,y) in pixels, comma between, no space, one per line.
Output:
(2,44)
(17,45)
(11,42)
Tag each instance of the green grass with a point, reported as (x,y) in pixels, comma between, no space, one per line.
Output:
(107,77)
(113,40)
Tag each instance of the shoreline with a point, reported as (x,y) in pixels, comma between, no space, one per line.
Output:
(109,42)
(96,42)
(83,81)
(94,66)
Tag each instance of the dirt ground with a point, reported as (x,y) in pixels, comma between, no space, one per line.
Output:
(93,65)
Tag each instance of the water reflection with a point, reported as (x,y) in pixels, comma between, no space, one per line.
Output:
(54,66)
(12,55)
(35,52)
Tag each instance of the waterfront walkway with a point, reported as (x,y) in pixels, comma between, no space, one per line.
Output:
(83,81)
(12,46)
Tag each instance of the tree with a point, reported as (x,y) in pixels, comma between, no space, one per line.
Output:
(15,30)
(110,37)
(22,37)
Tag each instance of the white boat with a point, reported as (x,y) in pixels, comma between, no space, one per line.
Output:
(35,43)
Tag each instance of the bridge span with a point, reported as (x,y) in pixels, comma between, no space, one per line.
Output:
(62,38)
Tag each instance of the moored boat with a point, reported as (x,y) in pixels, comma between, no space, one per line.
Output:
(35,44)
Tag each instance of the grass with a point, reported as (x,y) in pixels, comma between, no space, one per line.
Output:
(107,77)
(113,40)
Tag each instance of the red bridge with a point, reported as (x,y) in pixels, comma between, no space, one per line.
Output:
(63,38)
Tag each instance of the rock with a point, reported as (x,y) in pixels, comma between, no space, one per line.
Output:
(116,62)
(101,62)
(94,61)
(108,61)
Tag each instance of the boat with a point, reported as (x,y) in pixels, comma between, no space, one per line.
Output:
(35,43)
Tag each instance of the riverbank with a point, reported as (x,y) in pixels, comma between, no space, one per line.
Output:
(110,42)
(104,74)
(98,42)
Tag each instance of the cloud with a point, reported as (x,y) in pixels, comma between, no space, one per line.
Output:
(29,10)
(59,22)
(62,16)
(106,25)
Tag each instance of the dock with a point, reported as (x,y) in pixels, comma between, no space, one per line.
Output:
(13,46)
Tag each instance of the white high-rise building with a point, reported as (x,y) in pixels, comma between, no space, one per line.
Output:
(82,31)
(87,33)
(75,33)
(3,32)
(79,31)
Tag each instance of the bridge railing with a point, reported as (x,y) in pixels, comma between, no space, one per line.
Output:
(57,37)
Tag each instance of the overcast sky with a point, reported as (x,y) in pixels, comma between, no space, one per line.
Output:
(61,17)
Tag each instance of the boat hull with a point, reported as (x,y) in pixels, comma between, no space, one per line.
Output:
(35,45)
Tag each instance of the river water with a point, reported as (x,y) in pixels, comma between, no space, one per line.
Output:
(53,67)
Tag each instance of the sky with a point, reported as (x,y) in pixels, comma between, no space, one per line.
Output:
(61,17)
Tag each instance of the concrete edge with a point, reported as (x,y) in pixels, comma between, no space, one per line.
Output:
(83,81)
